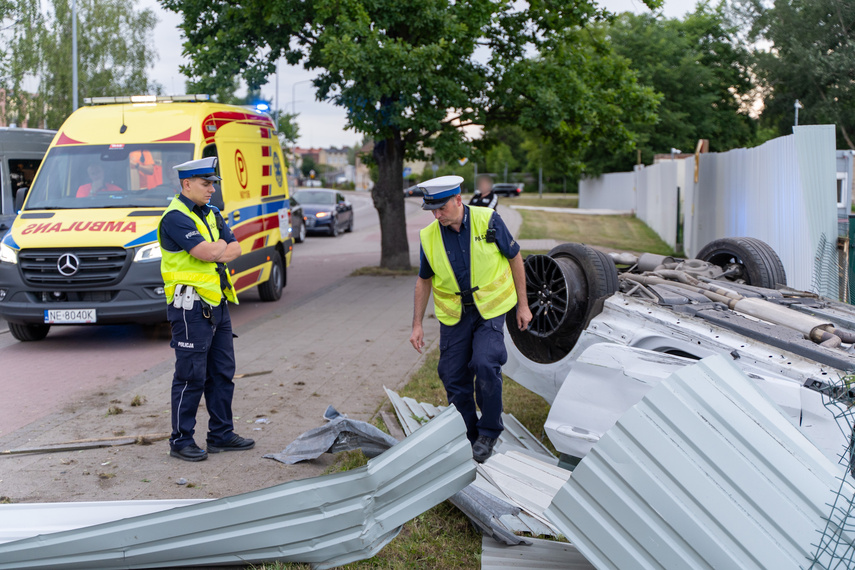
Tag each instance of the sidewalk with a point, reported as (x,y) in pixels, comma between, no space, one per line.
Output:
(339,348)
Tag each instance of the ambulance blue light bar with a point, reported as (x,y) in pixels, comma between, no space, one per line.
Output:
(147,99)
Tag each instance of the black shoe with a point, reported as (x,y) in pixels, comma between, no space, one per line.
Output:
(190,453)
(482,449)
(236,443)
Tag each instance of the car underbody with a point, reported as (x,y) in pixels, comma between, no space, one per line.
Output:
(609,328)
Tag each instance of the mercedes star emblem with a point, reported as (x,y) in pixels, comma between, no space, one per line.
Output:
(68,264)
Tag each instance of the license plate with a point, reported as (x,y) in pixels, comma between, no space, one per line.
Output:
(69,316)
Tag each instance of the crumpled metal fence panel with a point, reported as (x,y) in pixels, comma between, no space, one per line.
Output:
(327,521)
(704,472)
(539,555)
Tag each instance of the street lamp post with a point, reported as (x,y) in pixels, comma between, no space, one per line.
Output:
(294,95)
(74,102)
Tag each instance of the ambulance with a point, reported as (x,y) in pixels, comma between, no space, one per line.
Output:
(83,248)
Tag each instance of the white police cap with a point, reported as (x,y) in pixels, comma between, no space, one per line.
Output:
(438,191)
(203,168)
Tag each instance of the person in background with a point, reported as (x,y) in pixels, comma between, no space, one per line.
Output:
(98,182)
(484,195)
(150,174)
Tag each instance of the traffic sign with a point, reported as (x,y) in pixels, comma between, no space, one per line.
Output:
(407,171)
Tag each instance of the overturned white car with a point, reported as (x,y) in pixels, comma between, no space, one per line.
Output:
(608,328)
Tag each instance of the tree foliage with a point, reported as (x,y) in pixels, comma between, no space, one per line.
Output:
(812,59)
(408,75)
(699,68)
(115,51)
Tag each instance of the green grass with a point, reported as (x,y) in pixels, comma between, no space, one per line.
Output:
(623,233)
(441,537)
(549,200)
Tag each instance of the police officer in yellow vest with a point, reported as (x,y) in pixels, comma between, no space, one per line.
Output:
(473,267)
(196,245)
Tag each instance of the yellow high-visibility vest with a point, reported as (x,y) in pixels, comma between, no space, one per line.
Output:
(182,268)
(489,271)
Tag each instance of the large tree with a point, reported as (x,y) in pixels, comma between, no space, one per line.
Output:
(115,51)
(411,73)
(699,67)
(811,59)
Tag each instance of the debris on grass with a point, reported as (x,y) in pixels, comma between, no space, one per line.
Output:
(114,411)
(137,401)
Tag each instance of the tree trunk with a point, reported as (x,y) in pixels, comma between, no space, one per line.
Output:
(388,195)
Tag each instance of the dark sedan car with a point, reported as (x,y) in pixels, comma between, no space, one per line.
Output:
(508,188)
(413,192)
(298,221)
(326,211)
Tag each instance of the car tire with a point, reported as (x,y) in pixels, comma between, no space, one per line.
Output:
(566,289)
(349,227)
(301,235)
(334,227)
(760,264)
(28,332)
(271,290)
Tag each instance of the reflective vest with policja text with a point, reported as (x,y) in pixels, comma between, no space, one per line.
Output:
(182,268)
(489,271)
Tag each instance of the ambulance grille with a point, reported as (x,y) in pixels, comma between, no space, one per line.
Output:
(94,266)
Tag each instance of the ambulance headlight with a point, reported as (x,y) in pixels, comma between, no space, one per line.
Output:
(7,254)
(150,252)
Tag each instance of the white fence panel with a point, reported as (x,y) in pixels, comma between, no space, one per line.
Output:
(782,192)
(615,191)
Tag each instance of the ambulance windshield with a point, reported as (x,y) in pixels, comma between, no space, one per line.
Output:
(108,176)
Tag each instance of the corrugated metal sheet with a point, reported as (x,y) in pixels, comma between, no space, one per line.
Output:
(23,520)
(540,555)
(327,521)
(704,472)
(413,414)
(512,488)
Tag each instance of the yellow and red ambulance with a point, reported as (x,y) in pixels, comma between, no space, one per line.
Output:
(83,248)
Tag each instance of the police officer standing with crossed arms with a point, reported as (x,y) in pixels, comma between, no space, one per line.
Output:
(473,267)
(196,246)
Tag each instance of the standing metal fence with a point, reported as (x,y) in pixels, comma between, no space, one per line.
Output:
(782,192)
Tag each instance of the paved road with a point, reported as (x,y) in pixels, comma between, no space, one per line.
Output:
(39,378)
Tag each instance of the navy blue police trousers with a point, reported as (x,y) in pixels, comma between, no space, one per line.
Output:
(471,355)
(204,364)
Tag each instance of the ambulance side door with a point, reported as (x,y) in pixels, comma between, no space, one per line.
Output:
(250,206)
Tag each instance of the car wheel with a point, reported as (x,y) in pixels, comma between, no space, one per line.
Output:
(349,227)
(28,333)
(752,261)
(301,235)
(565,290)
(333,227)
(271,290)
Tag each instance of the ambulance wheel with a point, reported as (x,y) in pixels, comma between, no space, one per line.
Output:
(271,290)
(565,289)
(752,261)
(27,333)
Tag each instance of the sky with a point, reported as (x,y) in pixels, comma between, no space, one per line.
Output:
(321,124)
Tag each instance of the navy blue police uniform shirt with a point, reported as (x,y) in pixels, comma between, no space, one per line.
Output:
(457,246)
(178,232)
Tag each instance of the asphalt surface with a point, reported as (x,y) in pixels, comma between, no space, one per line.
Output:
(40,378)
